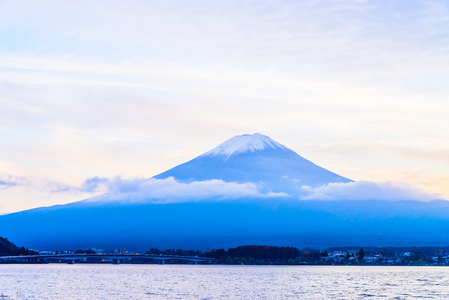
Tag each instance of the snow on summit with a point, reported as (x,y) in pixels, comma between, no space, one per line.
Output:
(244,143)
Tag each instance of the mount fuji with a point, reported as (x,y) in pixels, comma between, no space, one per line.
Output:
(245,191)
(254,158)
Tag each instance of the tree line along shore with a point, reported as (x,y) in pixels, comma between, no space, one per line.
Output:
(277,255)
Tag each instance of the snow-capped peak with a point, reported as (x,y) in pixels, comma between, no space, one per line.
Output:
(244,143)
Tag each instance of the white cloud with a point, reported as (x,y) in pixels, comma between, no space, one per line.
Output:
(19,193)
(7,184)
(368,190)
(170,190)
(8,181)
(143,190)
(136,190)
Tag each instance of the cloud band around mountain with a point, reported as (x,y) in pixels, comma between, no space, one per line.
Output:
(170,190)
(368,190)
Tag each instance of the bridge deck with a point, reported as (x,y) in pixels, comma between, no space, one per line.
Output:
(74,257)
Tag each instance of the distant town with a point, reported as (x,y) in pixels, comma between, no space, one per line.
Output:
(262,255)
(242,255)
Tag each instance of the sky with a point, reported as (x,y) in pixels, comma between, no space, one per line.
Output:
(128,89)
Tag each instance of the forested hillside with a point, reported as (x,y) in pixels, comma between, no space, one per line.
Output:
(8,248)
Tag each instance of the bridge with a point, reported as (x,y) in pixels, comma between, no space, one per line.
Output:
(114,258)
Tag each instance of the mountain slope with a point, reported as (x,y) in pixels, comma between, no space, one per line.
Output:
(202,225)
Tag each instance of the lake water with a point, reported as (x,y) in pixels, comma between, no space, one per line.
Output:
(90,281)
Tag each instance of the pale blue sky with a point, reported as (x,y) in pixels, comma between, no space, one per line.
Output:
(113,88)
